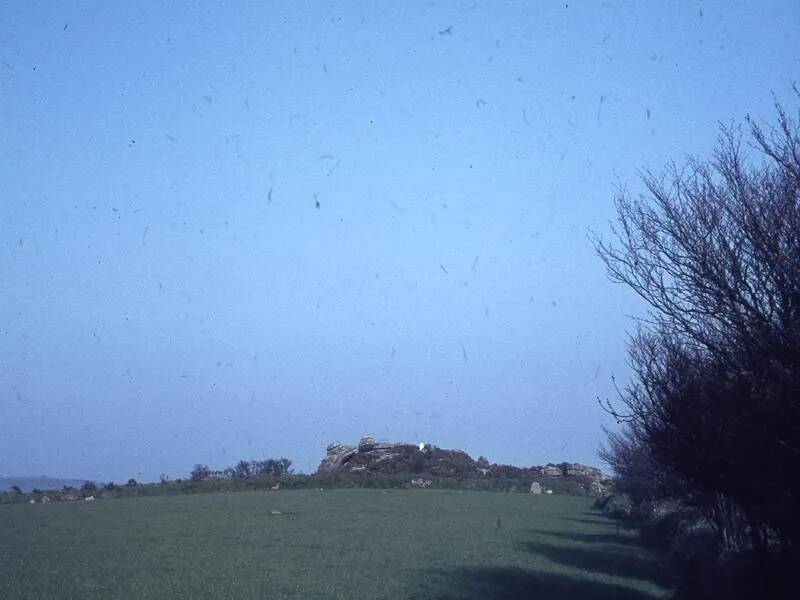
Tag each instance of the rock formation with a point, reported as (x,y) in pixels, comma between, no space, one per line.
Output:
(371,457)
(338,455)
(552,471)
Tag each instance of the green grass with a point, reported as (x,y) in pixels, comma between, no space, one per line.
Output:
(325,544)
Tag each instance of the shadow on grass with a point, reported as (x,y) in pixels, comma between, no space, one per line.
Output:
(596,521)
(496,583)
(597,554)
(622,561)
(591,538)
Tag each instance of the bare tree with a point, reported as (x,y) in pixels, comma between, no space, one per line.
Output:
(713,248)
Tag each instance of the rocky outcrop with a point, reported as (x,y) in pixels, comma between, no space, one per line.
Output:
(366,444)
(338,455)
(371,457)
(386,458)
(423,483)
(552,471)
(578,470)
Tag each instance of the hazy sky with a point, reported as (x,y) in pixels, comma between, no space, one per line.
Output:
(247,230)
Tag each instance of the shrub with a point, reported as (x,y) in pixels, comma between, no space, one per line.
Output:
(200,472)
(270,466)
(618,506)
(713,248)
(693,552)
(659,527)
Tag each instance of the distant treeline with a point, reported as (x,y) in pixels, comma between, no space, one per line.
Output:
(253,468)
(275,474)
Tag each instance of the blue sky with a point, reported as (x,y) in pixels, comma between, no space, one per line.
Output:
(244,230)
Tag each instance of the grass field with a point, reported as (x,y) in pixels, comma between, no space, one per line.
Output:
(373,544)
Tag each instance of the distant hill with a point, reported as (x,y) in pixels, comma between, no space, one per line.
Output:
(28,484)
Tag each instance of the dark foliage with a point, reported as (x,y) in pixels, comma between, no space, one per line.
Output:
(271,467)
(242,469)
(200,472)
(712,416)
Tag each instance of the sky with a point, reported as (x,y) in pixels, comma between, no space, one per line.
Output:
(246,230)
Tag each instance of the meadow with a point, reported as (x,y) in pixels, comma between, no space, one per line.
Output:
(338,544)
